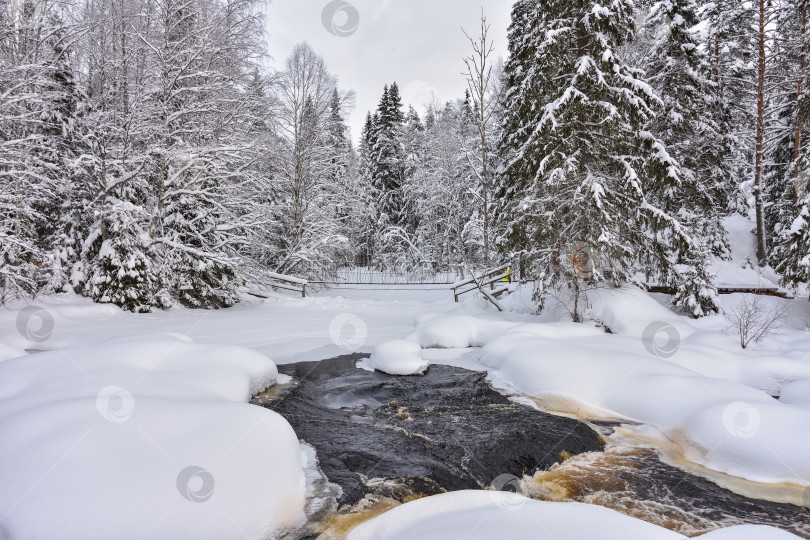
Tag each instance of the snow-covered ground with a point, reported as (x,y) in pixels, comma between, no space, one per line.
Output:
(741,270)
(129,422)
(285,328)
(145,437)
(499,515)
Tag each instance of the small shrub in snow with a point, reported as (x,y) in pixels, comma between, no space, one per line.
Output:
(753,322)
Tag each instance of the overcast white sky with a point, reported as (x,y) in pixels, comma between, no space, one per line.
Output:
(417,43)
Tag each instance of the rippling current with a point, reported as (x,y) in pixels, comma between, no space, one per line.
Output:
(450,430)
(636,482)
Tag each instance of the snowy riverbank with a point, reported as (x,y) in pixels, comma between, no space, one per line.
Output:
(183,403)
(681,377)
(128,437)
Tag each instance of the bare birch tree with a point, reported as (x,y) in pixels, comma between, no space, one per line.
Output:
(483,86)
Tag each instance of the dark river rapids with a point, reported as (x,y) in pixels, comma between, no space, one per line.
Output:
(382,440)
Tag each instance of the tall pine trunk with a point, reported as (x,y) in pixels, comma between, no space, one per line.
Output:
(762,251)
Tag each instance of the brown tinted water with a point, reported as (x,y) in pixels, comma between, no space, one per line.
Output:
(634,481)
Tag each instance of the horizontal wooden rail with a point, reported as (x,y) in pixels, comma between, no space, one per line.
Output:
(287,283)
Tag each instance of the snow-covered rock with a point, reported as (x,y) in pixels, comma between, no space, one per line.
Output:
(455,331)
(594,376)
(145,437)
(706,346)
(398,357)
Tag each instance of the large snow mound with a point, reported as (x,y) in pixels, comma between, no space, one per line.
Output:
(397,357)
(762,442)
(707,346)
(595,376)
(147,437)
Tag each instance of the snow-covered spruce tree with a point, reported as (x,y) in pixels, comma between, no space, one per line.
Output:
(686,125)
(343,178)
(121,269)
(115,263)
(729,42)
(67,122)
(790,167)
(388,176)
(578,165)
(205,53)
(780,167)
(367,196)
(108,207)
(440,193)
(408,245)
(793,246)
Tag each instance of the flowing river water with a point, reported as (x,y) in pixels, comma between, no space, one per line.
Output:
(383,440)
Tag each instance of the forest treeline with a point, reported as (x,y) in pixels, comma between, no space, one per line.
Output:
(149,156)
